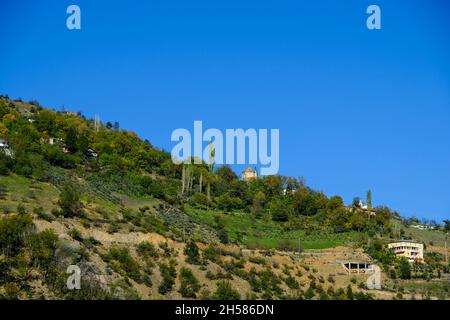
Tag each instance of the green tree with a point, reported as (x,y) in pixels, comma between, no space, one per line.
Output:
(225,291)
(199,200)
(6,163)
(369,199)
(404,268)
(446,225)
(43,247)
(189,284)
(227,202)
(13,232)
(349,293)
(72,139)
(226,173)
(168,274)
(280,209)
(356,201)
(69,201)
(258,204)
(335,202)
(192,252)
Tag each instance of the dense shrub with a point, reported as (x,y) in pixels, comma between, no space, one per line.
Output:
(280,209)
(39,212)
(168,274)
(227,202)
(121,261)
(69,201)
(13,232)
(199,200)
(43,246)
(189,285)
(192,252)
(147,249)
(404,268)
(225,291)
(271,282)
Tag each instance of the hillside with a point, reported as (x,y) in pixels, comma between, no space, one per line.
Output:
(77,192)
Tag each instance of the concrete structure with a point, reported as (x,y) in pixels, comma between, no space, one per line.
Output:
(412,250)
(361,267)
(249,174)
(358,267)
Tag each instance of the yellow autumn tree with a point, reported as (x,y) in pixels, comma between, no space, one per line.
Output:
(3,131)
(10,117)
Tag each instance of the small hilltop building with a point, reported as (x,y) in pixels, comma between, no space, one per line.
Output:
(362,205)
(249,174)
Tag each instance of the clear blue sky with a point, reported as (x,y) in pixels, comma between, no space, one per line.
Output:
(356,109)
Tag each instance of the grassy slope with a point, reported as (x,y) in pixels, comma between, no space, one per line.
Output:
(28,193)
(427,236)
(266,234)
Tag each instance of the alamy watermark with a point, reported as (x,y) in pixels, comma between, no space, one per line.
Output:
(374,281)
(74,278)
(230,148)
(373,22)
(73,21)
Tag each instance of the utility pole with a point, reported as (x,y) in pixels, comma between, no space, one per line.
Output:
(369,209)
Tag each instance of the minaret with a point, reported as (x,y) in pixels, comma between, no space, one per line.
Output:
(96,123)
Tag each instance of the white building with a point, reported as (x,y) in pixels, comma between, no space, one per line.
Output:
(4,147)
(423,227)
(91,153)
(53,141)
(249,174)
(362,205)
(4,143)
